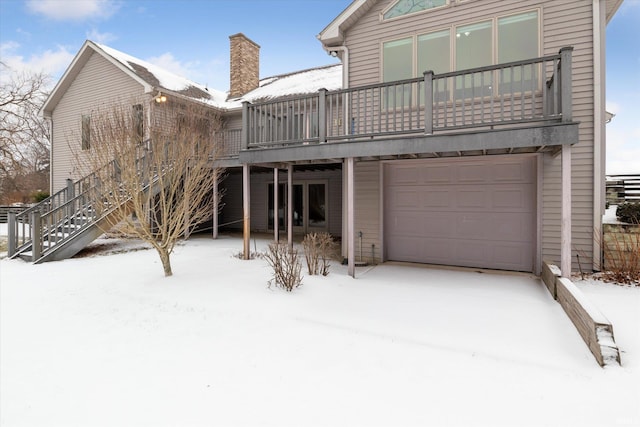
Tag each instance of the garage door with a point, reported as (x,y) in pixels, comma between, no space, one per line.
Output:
(474,213)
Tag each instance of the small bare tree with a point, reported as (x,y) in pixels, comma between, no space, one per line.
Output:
(157,185)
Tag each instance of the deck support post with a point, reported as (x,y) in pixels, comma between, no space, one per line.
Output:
(246,214)
(276,213)
(36,236)
(216,203)
(351,260)
(566,90)
(12,223)
(322,116)
(290,206)
(428,102)
(565,225)
(245,126)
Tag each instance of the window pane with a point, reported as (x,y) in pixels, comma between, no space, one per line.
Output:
(86,132)
(317,205)
(397,60)
(404,7)
(518,37)
(473,49)
(397,65)
(433,52)
(473,46)
(518,40)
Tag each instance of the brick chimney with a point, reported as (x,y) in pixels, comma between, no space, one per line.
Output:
(245,65)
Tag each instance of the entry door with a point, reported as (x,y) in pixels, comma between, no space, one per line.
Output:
(309,206)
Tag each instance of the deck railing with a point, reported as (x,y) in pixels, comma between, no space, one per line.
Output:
(511,94)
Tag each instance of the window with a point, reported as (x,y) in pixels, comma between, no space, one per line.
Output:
(495,41)
(86,132)
(518,40)
(434,52)
(138,123)
(474,49)
(405,7)
(397,65)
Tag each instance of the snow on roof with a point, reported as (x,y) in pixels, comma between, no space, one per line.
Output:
(159,77)
(297,83)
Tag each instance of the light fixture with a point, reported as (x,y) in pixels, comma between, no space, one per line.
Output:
(160,98)
(333,53)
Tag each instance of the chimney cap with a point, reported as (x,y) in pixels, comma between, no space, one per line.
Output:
(237,35)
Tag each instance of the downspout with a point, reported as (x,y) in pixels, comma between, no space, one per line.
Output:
(599,132)
(333,51)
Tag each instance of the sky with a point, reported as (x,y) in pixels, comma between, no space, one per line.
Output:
(190,38)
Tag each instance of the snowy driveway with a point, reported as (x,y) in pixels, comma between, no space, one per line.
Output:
(107,341)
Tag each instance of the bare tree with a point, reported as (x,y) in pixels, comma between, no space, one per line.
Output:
(24,136)
(158,188)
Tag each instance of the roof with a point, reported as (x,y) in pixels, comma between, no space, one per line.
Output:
(154,78)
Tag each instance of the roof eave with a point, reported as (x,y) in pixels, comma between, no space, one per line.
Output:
(612,8)
(332,34)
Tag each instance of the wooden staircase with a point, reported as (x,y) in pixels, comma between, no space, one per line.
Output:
(62,225)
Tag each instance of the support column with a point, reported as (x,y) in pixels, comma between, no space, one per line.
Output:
(13,226)
(276,213)
(565,225)
(36,236)
(246,215)
(351,263)
(290,206)
(216,203)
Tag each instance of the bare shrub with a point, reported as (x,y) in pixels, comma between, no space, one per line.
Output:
(621,246)
(286,266)
(319,248)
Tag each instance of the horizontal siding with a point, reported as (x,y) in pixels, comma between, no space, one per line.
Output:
(563,23)
(367,210)
(97,84)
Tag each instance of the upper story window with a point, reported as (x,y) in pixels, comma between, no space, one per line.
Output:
(489,42)
(138,123)
(86,132)
(406,7)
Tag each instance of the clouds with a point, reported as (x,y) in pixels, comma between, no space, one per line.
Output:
(73,10)
(52,61)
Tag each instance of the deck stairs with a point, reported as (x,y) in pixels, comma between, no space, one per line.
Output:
(62,225)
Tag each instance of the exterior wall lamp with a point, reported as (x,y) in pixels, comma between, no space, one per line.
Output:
(160,98)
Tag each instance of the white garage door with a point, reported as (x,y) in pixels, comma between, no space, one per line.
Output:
(474,213)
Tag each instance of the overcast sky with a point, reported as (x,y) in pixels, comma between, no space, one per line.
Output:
(190,38)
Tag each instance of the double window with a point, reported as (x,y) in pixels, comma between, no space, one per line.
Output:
(494,41)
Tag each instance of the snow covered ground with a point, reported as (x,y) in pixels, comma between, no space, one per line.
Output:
(108,341)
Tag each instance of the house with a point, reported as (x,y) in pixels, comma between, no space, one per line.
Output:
(456,132)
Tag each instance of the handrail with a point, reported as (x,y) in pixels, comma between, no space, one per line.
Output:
(512,93)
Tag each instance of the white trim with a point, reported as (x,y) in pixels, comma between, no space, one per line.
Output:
(351,218)
(599,132)
(565,209)
(383,255)
(537,267)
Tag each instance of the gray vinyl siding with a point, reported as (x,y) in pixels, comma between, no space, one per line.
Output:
(98,83)
(367,209)
(563,23)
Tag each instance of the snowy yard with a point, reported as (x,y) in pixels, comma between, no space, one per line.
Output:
(108,341)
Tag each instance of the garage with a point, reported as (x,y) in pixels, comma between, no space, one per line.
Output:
(461,212)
